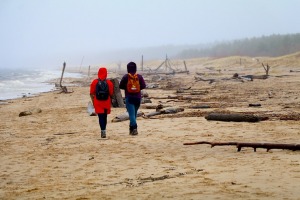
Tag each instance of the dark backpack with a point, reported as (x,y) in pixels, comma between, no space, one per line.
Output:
(102,90)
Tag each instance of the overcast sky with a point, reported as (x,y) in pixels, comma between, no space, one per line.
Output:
(43,33)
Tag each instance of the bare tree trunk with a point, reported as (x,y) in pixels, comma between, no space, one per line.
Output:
(185,67)
(62,74)
(266,68)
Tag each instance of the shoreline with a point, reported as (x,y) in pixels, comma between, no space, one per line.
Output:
(50,83)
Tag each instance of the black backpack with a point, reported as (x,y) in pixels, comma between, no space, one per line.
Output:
(102,90)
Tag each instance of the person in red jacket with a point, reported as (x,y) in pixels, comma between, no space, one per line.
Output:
(102,107)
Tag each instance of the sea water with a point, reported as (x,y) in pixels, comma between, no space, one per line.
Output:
(17,83)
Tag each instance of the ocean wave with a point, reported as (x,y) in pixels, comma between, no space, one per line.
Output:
(19,83)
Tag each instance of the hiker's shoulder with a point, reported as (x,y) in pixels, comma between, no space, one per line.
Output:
(140,76)
(94,81)
(109,81)
(125,76)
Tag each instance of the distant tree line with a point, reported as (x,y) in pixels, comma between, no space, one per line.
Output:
(273,45)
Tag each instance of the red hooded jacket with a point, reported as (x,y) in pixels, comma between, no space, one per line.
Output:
(101,105)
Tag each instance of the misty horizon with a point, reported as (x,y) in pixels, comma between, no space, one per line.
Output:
(43,34)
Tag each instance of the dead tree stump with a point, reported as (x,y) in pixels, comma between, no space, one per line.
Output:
(117,99)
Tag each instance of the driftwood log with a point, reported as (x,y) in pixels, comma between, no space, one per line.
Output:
(211,80)
(30,112)
(170,110)
(180,97)
(251,77)
(193,92)
(182,90)
(125,116)
(294,70)
(235,117)
(152,85)
(254,104)
(177,72)
(200,106)
(155,106)
(168,97)
(145,100)
(240,145)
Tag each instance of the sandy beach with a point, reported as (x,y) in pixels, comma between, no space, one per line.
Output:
(58,154)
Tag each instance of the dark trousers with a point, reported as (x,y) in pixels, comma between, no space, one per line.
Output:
(102,120)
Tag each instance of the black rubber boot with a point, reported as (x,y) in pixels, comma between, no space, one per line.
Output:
(134,131)
(131,130)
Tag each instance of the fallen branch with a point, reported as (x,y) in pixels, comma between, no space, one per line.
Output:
(254,105)
(68,133)
(178,72)
(180,97)
(294,70)
(202,79)
(192,92)
(240,145)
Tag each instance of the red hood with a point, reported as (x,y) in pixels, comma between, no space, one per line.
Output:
(102,73)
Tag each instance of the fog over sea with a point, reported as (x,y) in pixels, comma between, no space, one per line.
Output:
(17,83)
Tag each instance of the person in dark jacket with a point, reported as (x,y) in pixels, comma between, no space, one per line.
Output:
(133,100)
